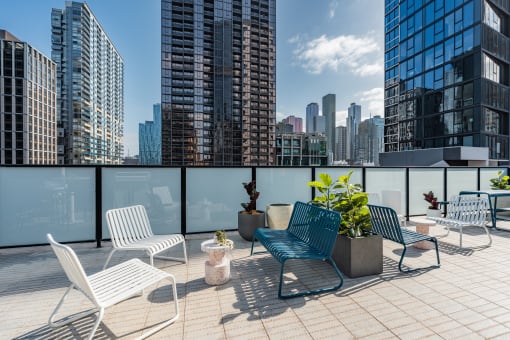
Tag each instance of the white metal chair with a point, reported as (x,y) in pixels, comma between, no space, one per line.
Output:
(465,211)
(130,229)
(107,287)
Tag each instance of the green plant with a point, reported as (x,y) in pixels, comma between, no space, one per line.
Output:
(500,182)
(429,197)
(252,192)
(221,239)
(346,198)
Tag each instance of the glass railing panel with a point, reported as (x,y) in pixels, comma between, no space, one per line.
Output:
(283,185)
(356,177)
(157,189)
(459,179)
(423,180)
(387,186)
(35,201)
(214,197)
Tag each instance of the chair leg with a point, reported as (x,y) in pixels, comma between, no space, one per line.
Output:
(184,250)
(488,234)
(55,324)
(402,259)
(109,258)
(460,233)
(433,240)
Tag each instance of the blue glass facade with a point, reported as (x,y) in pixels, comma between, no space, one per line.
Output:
(447,75)
(149,139)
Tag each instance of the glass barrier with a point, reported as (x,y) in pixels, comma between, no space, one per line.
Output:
(423,180)
(387,187)
(35,201)
(214,197)
(158,189)
(461,179)
(486,174)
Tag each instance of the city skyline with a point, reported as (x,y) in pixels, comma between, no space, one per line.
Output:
(321,48)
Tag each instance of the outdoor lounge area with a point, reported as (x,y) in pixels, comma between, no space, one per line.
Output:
(468,297)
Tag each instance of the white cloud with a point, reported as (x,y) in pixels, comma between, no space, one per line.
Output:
(332,8)
(360,55)
(372,102)
(340,118)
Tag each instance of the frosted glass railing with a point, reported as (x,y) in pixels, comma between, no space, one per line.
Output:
(35,201)
(60,200)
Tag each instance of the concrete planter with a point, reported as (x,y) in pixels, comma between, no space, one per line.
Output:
(247,223)
(359,256)
(433,213)
(278,215)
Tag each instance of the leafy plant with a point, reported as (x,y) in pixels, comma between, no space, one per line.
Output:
(252,192)
(346,198)
(221,238)
(433,203)
(500,182)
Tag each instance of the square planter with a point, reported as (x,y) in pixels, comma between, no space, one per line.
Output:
(359,256)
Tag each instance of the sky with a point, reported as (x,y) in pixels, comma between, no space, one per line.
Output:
(323,46)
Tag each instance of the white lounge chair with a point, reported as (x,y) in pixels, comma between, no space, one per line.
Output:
(107,287)
(130,229)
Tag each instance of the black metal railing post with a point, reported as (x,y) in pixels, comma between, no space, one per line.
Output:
(99,206)
(183,200)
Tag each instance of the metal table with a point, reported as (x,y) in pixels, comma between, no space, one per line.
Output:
(492,194)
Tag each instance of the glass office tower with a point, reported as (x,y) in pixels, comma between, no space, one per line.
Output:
(149,139)
(90,88)
(28,104)
(447,75)
(218,82)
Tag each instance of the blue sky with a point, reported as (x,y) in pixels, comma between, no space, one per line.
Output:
(323,46)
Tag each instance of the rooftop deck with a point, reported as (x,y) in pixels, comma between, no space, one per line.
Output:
(468,297)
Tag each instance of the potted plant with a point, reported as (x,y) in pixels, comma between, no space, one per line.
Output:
(433,209)
(250,218)
(500,182)
(278,215)
(357,251)
(220,237)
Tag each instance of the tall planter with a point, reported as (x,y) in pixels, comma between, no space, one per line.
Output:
(359,256)
(278,215)
(247,223)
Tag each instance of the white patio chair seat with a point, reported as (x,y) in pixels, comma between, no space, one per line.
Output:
(465,211)
(108,287)
(130,230)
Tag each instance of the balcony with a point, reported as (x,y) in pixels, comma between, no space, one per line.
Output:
(466,297)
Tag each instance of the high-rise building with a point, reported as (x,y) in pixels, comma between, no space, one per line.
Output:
(370,139)
(341,143)
(319,124)
(312,111)
(301,149)
(218,82)
(28,104)
(296,122)
(329,112)
(149,139)
(352,124)
(446,75)
(90,88)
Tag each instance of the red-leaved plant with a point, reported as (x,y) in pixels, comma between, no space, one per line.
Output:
(251,190)
(429,197)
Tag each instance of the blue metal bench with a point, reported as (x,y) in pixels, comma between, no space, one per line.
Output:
(311,234)
(385,222)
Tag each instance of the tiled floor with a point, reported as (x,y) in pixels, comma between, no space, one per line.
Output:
(468,297)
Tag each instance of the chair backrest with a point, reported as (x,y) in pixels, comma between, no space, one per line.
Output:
(128,225)
(72,267)
(385,222)
(468,209)
(315,226)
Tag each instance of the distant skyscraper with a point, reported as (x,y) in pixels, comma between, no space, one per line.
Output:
(353,121)
(312,111)
(149,139)
(446,76)
(218,82)
(296,122)
(320,124)
(341,143)
(329,112)
(90,88)
(370,139)
(28,108)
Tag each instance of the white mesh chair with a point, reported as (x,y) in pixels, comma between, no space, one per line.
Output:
(108,287)
(130,229)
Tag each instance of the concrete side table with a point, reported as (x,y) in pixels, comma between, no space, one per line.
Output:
(422,226)
(217,267)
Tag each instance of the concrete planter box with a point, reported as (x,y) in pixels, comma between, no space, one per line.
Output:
(359,256)
(247,223)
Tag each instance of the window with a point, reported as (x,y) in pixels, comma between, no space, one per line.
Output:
(491,69)
(491,18)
